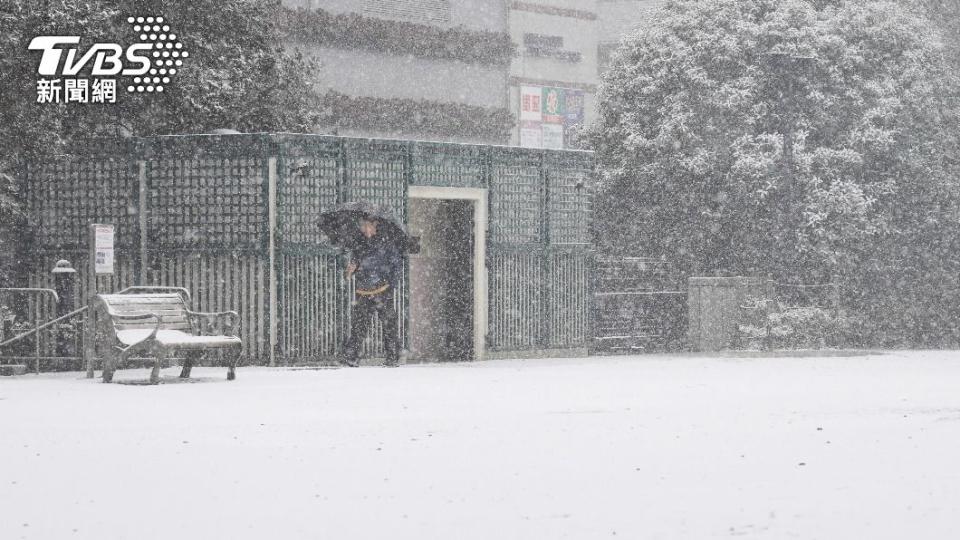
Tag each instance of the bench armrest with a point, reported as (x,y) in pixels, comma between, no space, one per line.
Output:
(137,316)
(221,323)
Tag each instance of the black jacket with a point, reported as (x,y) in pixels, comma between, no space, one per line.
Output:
(378,262)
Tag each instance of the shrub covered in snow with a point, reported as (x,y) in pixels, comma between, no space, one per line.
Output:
(791,139)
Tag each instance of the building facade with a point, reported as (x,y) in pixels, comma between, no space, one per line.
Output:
(514,72)
(423,69)
(564,46)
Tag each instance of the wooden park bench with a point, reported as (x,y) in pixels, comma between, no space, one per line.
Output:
(159,324)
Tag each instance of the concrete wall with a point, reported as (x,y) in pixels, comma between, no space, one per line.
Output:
(574,25)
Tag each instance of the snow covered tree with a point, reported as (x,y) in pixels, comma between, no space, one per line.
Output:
(809,141)
(238,76)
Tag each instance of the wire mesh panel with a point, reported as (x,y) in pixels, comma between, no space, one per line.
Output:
(539,202)
(66,195)
(63,197)
(221,281)
(516,310)
(568,179)
(315,310)
(516,197)
(634,274)
(314,307)
(314,174)
(309,176)
(636,304)
(376,171)
(313,302)
(448,165)
(207,192)
(208,226)
(567,298)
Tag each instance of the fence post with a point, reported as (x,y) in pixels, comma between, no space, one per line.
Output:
(64,283)
(36,336)
(89,350)
(546,276)
(142,220)
(272,247)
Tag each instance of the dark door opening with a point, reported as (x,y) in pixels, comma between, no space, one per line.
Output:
(441,280)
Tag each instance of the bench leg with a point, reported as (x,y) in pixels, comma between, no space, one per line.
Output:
(188,361)
(159,356)
(232,369)
(109,364)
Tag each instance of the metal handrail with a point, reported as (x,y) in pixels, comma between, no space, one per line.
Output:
(44,325)
(36,316)
(642,293)
(56,298)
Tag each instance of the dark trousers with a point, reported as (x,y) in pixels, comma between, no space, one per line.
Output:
(363,310)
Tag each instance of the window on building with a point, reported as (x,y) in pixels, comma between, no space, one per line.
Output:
(548,46)
(605,56)
(428,11)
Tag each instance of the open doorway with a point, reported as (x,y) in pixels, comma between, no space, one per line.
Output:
(446,279)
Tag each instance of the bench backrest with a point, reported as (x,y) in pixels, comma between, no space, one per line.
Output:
(169,306)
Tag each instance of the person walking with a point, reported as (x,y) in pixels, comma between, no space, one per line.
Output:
(375,264)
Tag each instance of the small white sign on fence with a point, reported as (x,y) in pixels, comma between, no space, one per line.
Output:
(103,249)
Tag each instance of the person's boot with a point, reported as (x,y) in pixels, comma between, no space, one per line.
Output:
(392,359)
(350,359)
(392,356)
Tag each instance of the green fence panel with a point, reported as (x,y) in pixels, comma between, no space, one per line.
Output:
(206,210)
(447,165)
(207,192)
(516,196)
(515,278)
(68,193)
(540,208)
(310,171)
(377,171)
(568,183)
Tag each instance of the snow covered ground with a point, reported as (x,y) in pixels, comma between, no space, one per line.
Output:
(671,447)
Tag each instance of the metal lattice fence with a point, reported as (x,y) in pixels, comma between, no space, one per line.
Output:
(232,218)
(637,305)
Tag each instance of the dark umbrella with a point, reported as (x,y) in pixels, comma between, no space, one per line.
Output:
(342,225)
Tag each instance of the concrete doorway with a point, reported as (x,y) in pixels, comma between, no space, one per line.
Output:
(448,277)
